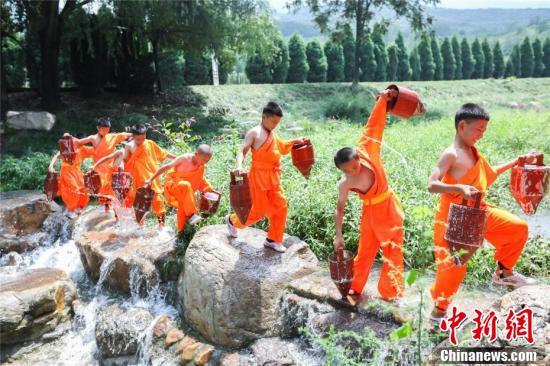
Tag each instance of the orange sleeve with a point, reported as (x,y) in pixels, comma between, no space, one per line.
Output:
(490,172)
(284,146)
(119,138)
(160,153)
(205,185)
(87,151)
(371,139)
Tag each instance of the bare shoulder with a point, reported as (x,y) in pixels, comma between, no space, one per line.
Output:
(449,154)
(343,184)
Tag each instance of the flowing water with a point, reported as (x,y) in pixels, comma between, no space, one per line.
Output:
(78,346)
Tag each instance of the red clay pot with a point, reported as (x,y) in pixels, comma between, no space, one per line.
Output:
(466,229)
(240,196)
(407,103)
(529,183)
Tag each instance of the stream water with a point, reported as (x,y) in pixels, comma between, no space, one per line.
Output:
(78,346)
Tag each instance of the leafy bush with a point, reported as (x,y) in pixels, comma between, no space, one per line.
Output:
(23,173)
(347,106)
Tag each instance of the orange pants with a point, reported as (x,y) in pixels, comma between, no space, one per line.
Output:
(72,190)
(371,239)
(183,192)
(271,204)
(158,204)
(505,231)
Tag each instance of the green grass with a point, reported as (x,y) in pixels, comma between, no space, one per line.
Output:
(519,123)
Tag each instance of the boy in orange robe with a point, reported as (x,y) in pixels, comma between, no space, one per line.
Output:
(268,198)
(462,172)
(72,190)
(185,176)
(141,157)
(382,216)
(104,144)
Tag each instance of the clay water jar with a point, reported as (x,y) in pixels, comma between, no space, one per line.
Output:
(341,270)
(51,185)
(209,202)
(67,149)
(529,183)
(407,103)
(121,182)
(465,229)
(143,202)
(240,196)
(303,157)
(92,181)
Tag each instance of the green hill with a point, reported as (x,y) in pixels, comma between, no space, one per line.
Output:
(509,26)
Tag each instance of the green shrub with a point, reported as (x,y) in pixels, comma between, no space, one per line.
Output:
(27,172)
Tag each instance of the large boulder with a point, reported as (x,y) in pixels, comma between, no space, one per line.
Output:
(27,220)
(33,303)
(230,290)
(30,120)
(119,332)
(536,298)
(131,263)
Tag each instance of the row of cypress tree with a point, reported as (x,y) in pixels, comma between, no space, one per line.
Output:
(431,59)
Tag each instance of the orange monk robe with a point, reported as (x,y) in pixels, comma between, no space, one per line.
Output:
(142,164)
(506,232)
(179,191)
(106,147)
(268,198)
(382,216)
(72,190)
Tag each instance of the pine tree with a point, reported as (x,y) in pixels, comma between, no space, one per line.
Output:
(498,61)
(258,70)
(546,56)
(380,56)
(467,60)
(348,44)
(527,59)
(458,58)
(436,53)
(427,65)
(317,63)
(280,62)
(404,67)
(393,63)
(479,60)
(448,59)
(515,57)
(414,61)
(297,68)
(197,70)
(335,61)
(509,71)
(488,56)
(537,54)
(368,62)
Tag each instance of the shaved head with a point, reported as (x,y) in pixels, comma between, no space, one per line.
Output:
(204,150)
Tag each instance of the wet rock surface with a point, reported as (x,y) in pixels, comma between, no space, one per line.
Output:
(27,220)
(33,303)
(230,289)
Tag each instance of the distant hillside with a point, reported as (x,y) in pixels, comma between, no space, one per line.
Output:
(509,26)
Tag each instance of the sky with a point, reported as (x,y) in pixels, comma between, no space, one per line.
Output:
(463,4)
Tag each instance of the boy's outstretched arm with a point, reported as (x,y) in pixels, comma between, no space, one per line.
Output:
(247,144)
(52,163)
(529,159)
(371,139)
(339,214)
(106,158)
(435,185)
(163,169)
